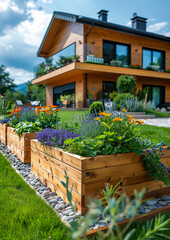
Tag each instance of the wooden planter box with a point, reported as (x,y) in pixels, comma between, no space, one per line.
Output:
(20,146)
(3,133)
(89,175)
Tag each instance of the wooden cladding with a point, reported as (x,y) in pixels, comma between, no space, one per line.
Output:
(90,175)
(97,35)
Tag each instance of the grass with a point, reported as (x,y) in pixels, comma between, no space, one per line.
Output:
(156,134)
(23,215)
(158,114)
(69,115)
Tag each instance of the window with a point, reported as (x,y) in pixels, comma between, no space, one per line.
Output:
(67,90)
(66,52)
(116,51)
(153,57)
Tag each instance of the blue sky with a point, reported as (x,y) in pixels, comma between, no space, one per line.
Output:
(24,22)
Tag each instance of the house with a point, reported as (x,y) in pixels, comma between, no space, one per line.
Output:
(106,51)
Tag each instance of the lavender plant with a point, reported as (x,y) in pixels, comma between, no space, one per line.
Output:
(150,105)
(54,137)
(131,105)
(6,120)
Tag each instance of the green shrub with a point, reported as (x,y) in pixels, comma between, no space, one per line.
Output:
(126,84)
(121,99)
(96,107)
(113,95)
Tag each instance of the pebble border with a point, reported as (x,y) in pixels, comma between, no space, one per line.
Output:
(63,209)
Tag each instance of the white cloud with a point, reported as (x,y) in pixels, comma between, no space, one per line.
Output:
(4,5)
(20,75)
(156,27)
(33,29)
(151,19)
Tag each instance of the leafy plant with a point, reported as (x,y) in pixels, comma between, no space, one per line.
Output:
(113,95)
(126,84)
(25,126)
(69,190)
(96,107)
(121,99)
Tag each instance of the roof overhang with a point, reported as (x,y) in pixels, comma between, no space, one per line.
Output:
(76,68)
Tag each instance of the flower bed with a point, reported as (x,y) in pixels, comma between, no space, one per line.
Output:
(20,146)
(3,133)
(90,174)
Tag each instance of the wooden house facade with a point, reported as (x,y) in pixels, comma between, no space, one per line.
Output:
(106,51)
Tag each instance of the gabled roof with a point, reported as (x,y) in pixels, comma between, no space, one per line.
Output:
(98,23)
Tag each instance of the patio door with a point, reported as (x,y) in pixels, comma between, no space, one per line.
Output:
(156,94)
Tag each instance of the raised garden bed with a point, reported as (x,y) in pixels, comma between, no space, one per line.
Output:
(89,175)
(3,133)
(20,146)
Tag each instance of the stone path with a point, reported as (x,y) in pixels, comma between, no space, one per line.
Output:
(64,209)
(160,122)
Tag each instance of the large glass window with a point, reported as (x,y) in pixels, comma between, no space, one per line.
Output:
(116,51)
(64,93)
(153,57)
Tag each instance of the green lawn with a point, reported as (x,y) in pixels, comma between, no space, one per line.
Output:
(24,215)
(69,115)
(158,114)
(156,134)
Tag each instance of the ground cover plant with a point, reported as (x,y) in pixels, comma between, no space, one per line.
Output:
(23,215)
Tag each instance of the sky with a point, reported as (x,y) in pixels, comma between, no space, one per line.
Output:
(23,24)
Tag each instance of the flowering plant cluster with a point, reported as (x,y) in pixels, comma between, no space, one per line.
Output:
(5,120)
(155,168)
(119,135)
(54,137)
(33,119)
(47,116)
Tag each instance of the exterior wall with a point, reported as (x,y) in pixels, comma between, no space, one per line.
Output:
(68,33)
(94,83)
(97,35)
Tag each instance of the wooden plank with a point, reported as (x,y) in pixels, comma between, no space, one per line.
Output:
(3,133)
(55,181)
(50,165)
(70,159)
(20,146)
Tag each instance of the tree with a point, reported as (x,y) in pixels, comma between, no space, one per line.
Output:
(36,93)
(6,83)
(126,84)
(41,67)
(13,96)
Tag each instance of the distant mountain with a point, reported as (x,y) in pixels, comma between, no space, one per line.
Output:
(21,87)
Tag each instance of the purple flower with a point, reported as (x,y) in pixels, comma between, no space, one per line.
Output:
(53,137)
(6,120)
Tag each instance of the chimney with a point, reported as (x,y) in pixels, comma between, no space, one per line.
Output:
(102,15)
(139,23)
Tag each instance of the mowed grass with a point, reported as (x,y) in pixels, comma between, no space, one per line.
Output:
(69,115)
(24,215)
(156,134)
